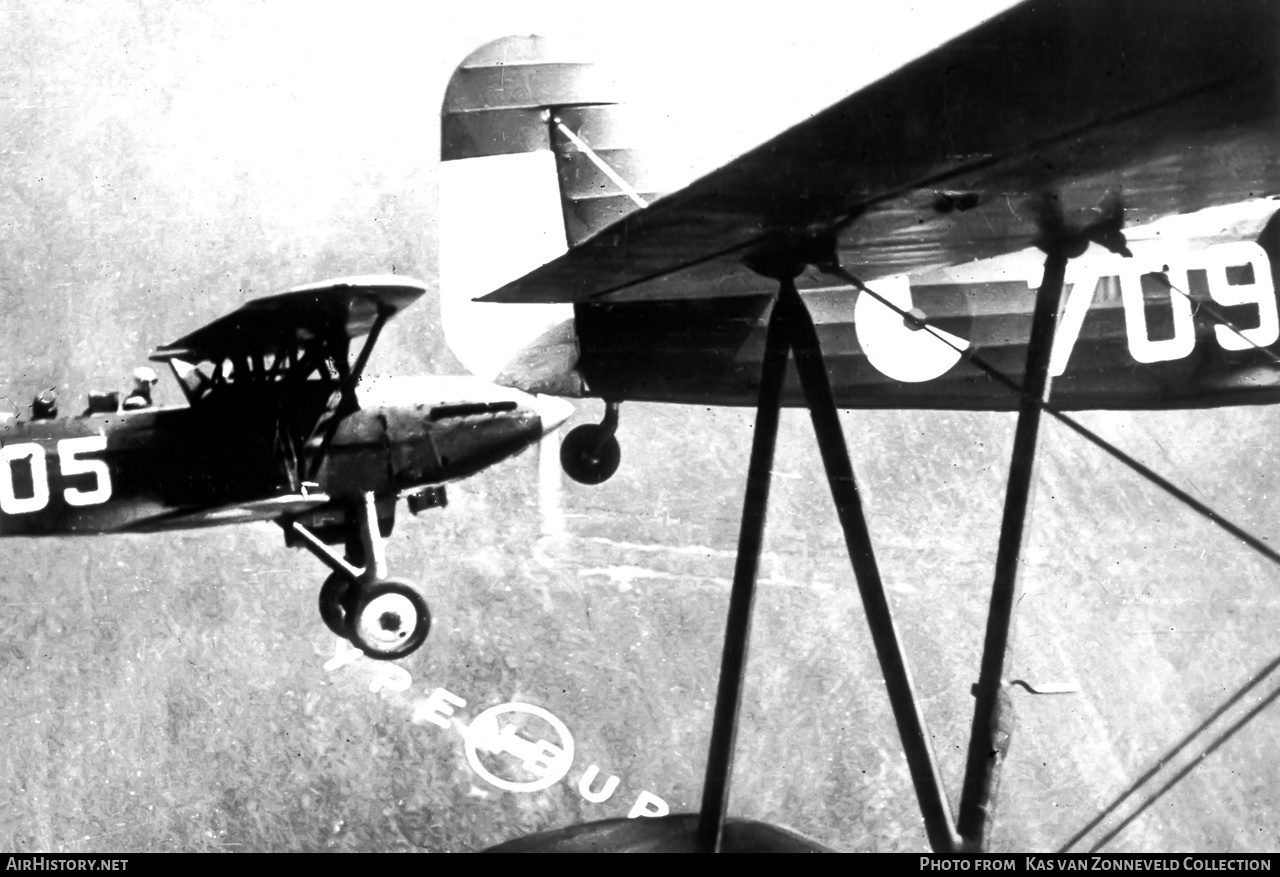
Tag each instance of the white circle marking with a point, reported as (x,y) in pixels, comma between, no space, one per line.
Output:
(483,730)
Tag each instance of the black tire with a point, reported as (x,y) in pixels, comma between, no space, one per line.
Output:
(389,620)
(588,456)
(334,603)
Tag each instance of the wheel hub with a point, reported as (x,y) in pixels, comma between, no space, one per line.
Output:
(387,620)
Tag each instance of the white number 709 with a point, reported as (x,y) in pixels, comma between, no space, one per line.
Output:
(1216,262)
(70,465)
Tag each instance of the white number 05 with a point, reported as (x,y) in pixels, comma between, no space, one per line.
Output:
(69,463)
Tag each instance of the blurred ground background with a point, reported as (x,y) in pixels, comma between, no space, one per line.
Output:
(159,164)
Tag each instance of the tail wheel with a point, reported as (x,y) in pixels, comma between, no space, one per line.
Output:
(335,603)
(389,620)
(589,455)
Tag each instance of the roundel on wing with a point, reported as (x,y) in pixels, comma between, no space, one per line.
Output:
(891,346)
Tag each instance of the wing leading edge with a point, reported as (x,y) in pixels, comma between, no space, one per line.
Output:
(343,308)
(1173,104)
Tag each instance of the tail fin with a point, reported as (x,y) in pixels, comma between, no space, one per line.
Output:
(537,156)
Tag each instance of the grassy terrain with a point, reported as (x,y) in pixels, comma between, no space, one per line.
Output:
(171,693)
(180,692)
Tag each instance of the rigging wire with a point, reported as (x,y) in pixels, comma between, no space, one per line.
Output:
(916,321)
(1217,316)
(1168,758)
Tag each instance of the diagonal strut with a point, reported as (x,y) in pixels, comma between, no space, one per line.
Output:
(791,327)
(992,711)
(733,662)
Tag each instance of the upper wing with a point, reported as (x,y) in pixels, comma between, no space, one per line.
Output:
(1173,103)
(344,308)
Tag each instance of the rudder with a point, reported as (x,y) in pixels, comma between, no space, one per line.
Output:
(537,155)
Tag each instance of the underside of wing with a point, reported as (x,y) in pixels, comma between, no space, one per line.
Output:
(343,308)
(1174,105)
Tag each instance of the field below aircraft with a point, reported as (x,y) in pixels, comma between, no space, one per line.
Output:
(280,425)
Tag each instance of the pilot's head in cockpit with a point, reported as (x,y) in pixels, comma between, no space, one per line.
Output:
(144,378)
(45,405)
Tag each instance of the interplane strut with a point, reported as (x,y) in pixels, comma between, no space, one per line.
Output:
(733,665)
(791,329)
(992,711)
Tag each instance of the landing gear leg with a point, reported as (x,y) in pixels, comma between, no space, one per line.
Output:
(590,454)
(386,618)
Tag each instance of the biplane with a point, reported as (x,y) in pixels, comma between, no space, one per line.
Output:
(280,425)
(1072,206)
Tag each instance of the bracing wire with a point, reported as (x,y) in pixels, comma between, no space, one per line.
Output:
(971,355)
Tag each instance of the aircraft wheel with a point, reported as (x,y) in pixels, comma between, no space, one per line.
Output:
(389,620)
(334,603)
(589,457)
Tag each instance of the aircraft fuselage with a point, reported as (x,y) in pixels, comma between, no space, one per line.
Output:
(217,462)
(1134,333)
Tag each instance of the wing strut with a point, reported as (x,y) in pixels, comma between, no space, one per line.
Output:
(343,401)
(993,708)
(791,328)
